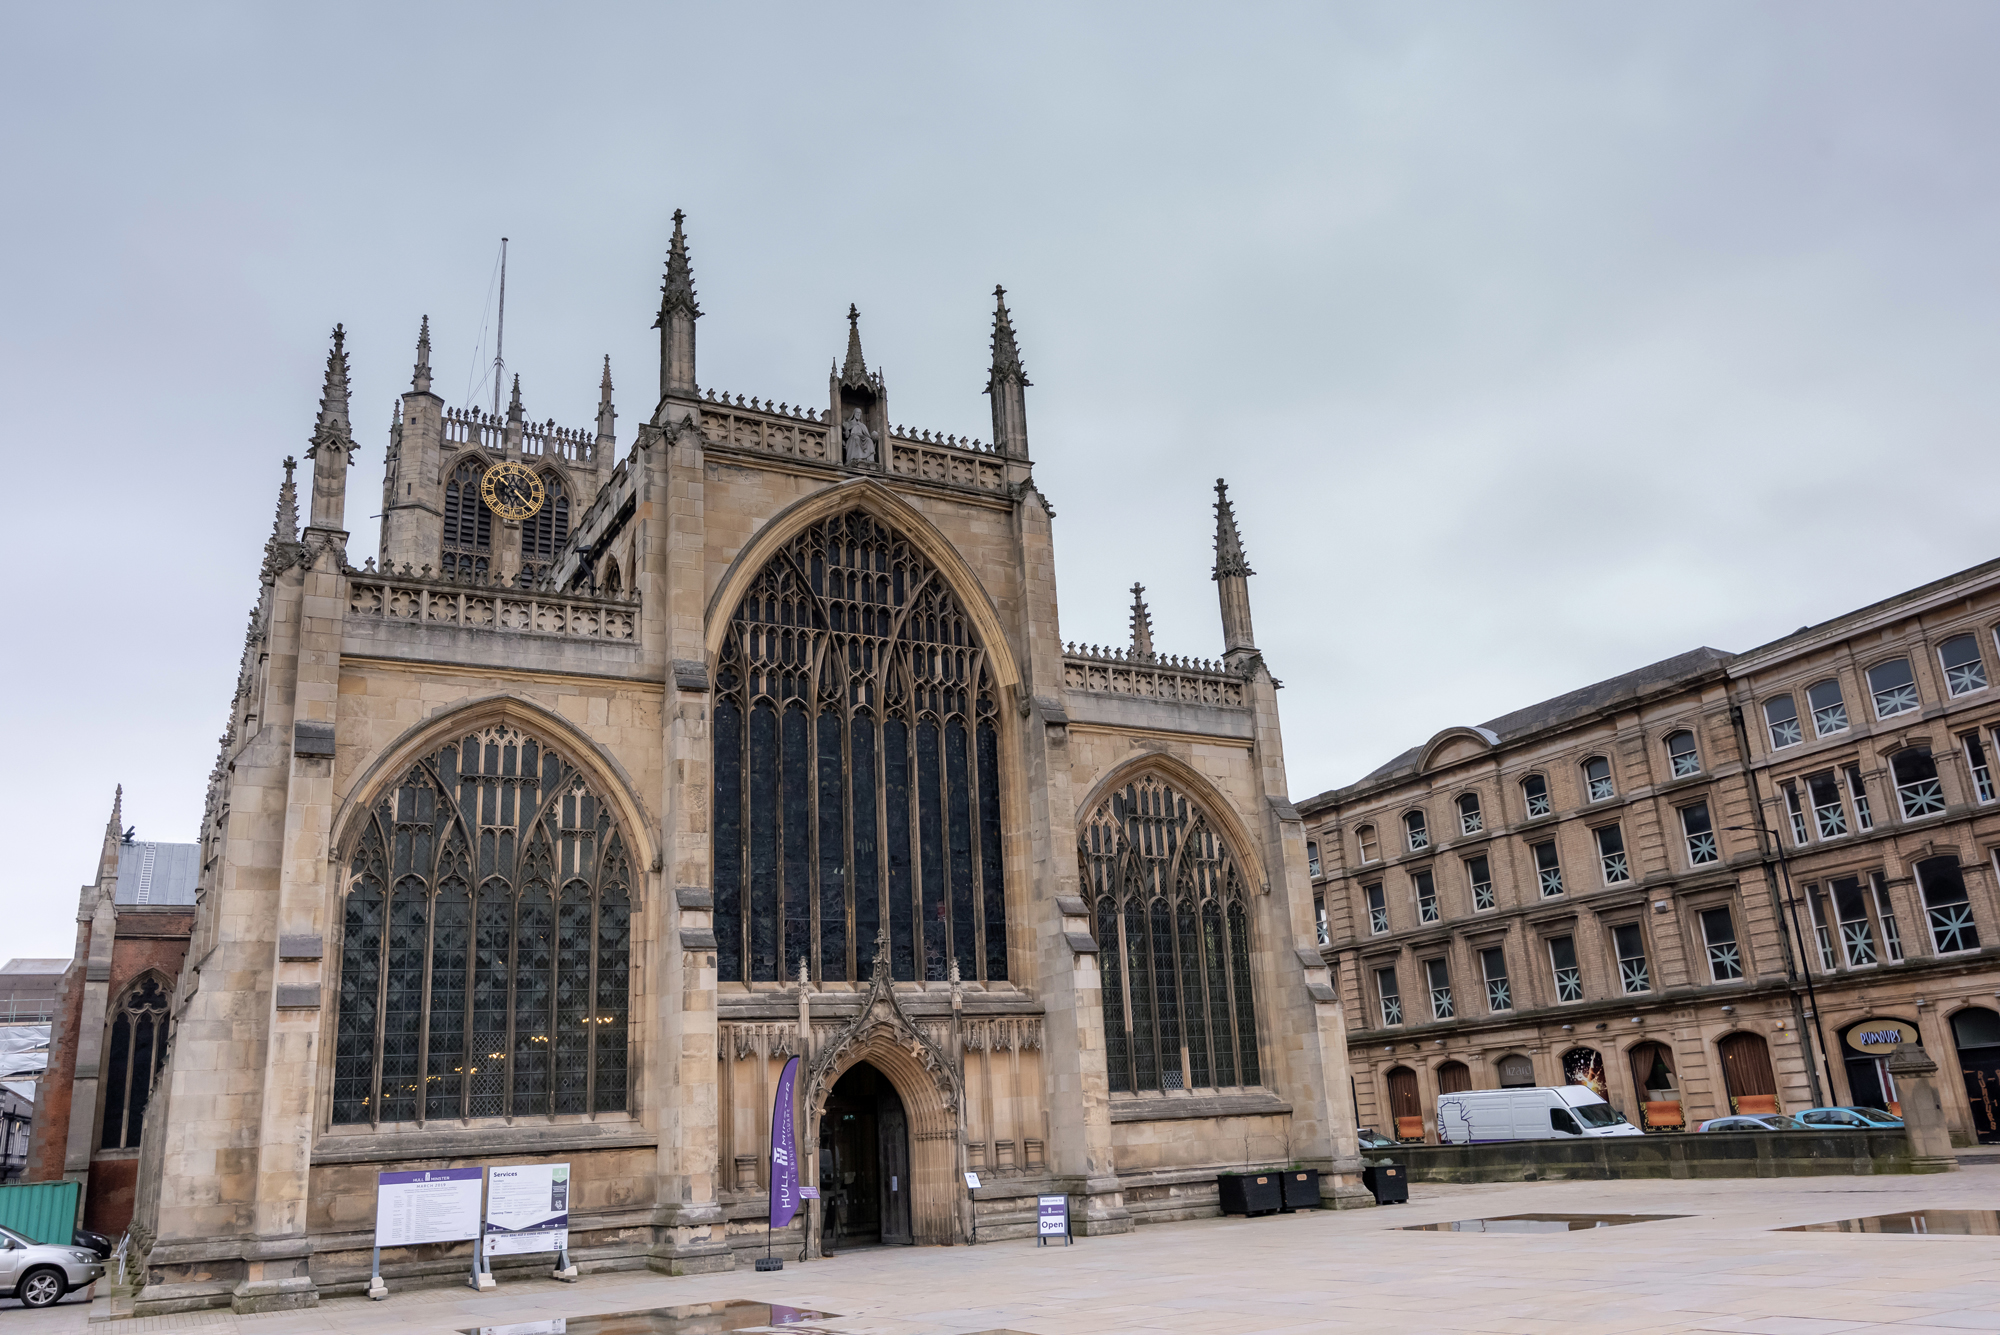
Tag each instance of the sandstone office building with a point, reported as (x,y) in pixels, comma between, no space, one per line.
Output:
(1720,883)
(627,769)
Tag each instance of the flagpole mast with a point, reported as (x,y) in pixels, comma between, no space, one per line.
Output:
(500,335)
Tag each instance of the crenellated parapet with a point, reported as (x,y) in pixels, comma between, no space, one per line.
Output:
(758,426)
(469,428)
(422,599)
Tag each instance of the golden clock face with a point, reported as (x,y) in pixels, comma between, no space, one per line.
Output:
(512,491)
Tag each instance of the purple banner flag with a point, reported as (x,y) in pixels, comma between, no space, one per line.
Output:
(784,1151)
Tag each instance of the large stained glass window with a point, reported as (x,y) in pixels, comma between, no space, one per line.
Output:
(857,769)
(1173,942)
(486,942)
(468,524)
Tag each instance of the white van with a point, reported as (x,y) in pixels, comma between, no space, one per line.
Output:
(1476,1116)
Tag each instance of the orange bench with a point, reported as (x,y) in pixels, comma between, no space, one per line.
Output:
(1752,1105)
(1409,1128)
(1664,1116)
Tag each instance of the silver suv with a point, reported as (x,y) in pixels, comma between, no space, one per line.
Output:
(40,1273)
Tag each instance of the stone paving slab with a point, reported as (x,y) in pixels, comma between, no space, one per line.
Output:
(1720,1271)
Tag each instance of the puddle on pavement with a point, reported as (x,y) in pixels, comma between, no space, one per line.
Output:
(1964,1223)
(1538,1223)
(694,1319)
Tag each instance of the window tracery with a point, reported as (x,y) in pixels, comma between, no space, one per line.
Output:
(857,768)
(133,1058)
(546,532)
(486,950)
(1173,935)
(468,524)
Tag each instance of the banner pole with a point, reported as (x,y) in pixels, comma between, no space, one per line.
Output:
(376,1288)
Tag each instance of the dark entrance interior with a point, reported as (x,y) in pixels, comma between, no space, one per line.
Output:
(864,1161)
(1976,1031)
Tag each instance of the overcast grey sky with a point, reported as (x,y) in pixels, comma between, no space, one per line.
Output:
(1538,341)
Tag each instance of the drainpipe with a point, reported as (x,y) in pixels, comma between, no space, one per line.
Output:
(1767,853)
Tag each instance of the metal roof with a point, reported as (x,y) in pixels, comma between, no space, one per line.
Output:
(158,873)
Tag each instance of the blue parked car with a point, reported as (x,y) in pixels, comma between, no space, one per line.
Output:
(1849,1119)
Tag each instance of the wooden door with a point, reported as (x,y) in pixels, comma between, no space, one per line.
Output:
(1746,1072)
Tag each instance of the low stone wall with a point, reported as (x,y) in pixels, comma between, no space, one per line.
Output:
(1683,1155)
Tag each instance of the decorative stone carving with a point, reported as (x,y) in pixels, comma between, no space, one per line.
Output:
(857,440)
(883,1022)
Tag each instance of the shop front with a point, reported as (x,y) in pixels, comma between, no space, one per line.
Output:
(1866,1048)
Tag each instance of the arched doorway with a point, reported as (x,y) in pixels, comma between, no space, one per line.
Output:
(1657,1086)
(1406,1109)
(864,1162)
(1976,1033)
(1866,1048)
(1454,1078)
(1516,1072)
(1747,1075)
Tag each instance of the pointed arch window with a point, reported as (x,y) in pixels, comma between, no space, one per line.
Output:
(1173,933)
(486,942)
(546,532)
(857,768)
(468,524)
(132,1062)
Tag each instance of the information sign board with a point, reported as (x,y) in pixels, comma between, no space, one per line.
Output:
(527,1209)
(432,1205)
(1051,1219)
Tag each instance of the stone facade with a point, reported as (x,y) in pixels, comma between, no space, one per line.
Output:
(604,653)
(1736,880)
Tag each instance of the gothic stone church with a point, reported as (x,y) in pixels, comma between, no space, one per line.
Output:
(616,779)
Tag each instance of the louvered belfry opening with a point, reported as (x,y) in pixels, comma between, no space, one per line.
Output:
(468,524)
(1174,943)
(485,957)
(857,768)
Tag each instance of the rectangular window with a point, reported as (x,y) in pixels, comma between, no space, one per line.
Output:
(1631,948)
(1438,974)
(1797,813)
(1821,932)
(1562,962)
(1681,752)
(1378,909)
(1392,1000)
(1536,790)
(1611,854)
(1919,791)
(1829,711)
(1718,934)
(1319,920)
(1947,906)
(1312,859)
(1427,896)
(1859,792)
(1892,939)
(1781,716)
(1829,816)
(1493,963)
(1481,879)
(1894,689)
(1700,834)
(1975,761)
(1548,869)
(1963,672)
(1850,914)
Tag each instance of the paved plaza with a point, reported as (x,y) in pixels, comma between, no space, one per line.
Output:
(1722,1268)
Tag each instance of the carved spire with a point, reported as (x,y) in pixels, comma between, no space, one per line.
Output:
(678,312)
(1006,353)
(1232,582)
(677,288)
(514,402)
(421,381)
(607,421)
(284,539)
(332,447)
(116,826)
(1142,626)
(854,371)
(1229,558)
(1005,384)
(880,972)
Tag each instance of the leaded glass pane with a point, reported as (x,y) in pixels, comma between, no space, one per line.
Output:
(444,1060)
(1239,969)
(850,622)
(360,983)
(1117,1041)
(575,935)
(534,956)
(403,1000)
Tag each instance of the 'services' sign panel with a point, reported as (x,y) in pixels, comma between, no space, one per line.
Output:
(432,1205)
(527,1209)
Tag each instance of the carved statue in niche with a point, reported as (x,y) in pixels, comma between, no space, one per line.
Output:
(857,439)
